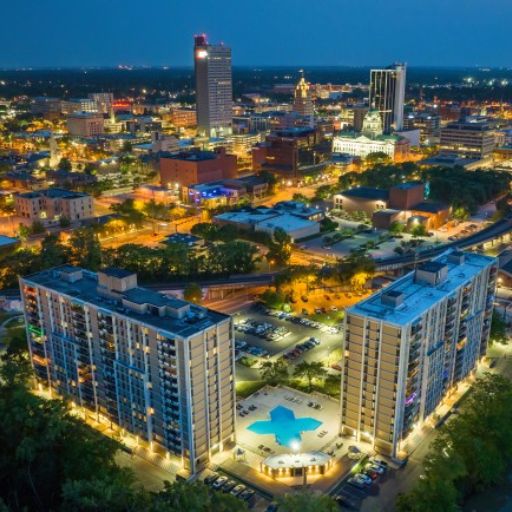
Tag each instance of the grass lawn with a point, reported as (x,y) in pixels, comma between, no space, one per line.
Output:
(244,388)
(331,386)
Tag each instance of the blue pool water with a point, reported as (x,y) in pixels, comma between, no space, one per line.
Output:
(284,425)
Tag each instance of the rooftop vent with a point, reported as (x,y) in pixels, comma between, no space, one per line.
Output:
(392,298)
(456,257)
(431,273)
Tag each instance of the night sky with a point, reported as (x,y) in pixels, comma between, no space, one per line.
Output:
(75,33)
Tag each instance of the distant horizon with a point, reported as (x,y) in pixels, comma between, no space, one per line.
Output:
(459,33)
(122,67)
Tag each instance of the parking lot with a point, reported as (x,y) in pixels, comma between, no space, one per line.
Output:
(363,482)
(260,334)
(220,482)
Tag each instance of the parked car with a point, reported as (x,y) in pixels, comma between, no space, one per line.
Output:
(356,483)
(375,467)
(238,489)
(229,486)
(219,482)
(343,501)
(211,478)
(247,495)
(364,478)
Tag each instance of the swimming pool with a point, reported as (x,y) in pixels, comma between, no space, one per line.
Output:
(284,425)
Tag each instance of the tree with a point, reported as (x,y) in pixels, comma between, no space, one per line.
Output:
(53,253)
(195,497)
(377,158)
(327,225)
(44,447)
(156,210)
(471,453)
(396,228)
(193,293)
(128,212)
(85,249)
(419,230)
(300,198)
(64,222)
(64,164)
(324,192)
(273,299)
(310,371)
(270,179)
(460,213)
(37,228)
(307,501)
(280,249)
(274,372)
(498,329)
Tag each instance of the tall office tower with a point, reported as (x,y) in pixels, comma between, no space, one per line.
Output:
(387,95)
(303,100)
(214,89)
(406,346)
(104,101)
(160,368)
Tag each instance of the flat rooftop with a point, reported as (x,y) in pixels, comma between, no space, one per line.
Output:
(366,193)
(84,290)
(419,297)
(6,241)
(52,193)
(192,156)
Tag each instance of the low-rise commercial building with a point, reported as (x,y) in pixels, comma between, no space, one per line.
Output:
(411,343)
(53,204)
(470,139)
(160,368)
(268,220)
(192,167)
(85,124)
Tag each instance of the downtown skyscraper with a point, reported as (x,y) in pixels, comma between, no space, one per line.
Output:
(387,95)
(214,88)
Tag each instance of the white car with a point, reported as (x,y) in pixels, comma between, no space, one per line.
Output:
(219,482)
(363,479)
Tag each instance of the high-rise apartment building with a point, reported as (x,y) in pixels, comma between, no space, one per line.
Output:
(214,88)
(387,95)
(160,368)
(408,344)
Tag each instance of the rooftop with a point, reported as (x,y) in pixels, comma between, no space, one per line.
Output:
(419,296)
(85,290)
(53,193)
(367,193)
(192,156)
(6,241)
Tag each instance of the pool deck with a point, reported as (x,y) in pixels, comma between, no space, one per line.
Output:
(248,469)
(268,399)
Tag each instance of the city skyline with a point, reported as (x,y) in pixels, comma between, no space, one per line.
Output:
(331,40)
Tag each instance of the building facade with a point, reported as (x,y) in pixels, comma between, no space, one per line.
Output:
(53,204)
(371,140)
(160,368)
(468,139)
(303,100)
(214,88)
(193,167)
(407,345)
(387,95)
(428,124)
(85,124)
